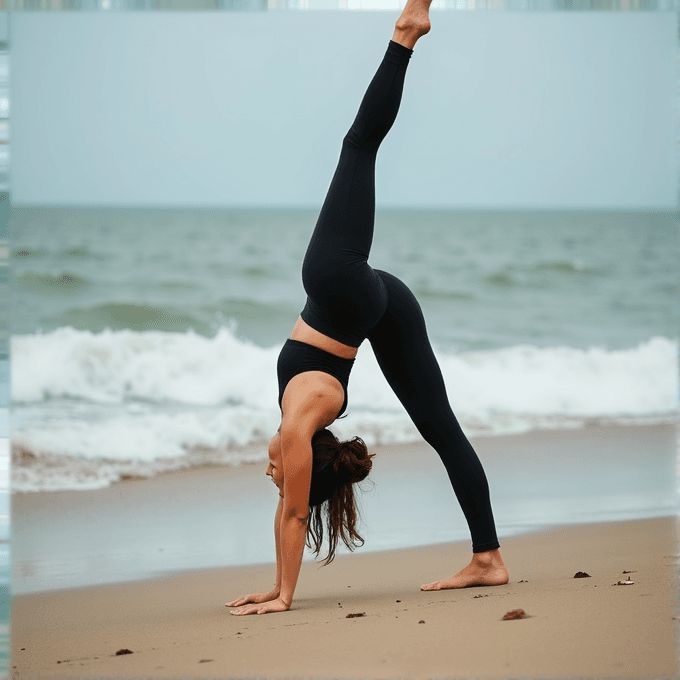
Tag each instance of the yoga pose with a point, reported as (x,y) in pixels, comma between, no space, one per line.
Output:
(347,302)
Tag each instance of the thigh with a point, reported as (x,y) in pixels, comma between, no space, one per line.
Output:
(404,353)
(345,296)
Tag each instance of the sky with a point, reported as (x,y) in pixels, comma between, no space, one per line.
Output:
(500,109)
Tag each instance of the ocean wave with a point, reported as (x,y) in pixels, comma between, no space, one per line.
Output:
(540,275)
(28,252)
(90,408)
(423,289)
(188,368)
(79,252)
(57,281)
(114,366)
(121,315)
(232,270)
(575,267)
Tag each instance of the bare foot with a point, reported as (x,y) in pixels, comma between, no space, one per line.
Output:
(485,569)
(413,23)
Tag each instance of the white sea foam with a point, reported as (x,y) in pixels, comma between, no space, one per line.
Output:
(114,366)
(90,407)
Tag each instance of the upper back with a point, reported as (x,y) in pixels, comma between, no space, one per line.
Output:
(313,374)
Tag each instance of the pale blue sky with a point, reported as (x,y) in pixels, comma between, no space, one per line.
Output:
(526,110)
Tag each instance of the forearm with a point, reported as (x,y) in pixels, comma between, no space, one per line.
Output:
(293,534)
(277,536)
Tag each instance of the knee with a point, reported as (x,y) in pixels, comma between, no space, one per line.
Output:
(362,141)
(351,140)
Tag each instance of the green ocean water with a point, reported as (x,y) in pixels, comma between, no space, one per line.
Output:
(485,279)
(145,341)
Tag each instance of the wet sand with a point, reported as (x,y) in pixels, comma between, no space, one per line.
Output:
(178,627)
(215,517)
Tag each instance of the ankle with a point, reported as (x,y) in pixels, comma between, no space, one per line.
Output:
(488,558)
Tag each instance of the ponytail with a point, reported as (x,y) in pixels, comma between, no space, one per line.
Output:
(336,467)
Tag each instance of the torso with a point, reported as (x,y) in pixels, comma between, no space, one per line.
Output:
(310,381)
(305,333)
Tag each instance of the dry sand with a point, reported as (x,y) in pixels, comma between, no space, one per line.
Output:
(178,627)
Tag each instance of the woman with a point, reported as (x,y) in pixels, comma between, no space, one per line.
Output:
(348,302)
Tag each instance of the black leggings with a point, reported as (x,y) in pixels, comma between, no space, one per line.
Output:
(349,301)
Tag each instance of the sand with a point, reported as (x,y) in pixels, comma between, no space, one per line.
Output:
(178,627)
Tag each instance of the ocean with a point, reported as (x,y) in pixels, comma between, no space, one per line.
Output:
(145,340)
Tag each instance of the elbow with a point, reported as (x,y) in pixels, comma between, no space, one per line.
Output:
(296,514)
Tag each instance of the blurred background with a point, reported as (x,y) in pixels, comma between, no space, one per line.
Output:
(167,170)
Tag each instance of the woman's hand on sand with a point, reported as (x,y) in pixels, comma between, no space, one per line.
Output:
(277,605)
(258,598)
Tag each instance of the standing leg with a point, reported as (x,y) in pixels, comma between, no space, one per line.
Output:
(405,356)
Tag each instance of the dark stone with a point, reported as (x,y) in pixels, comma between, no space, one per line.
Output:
(581,574)
(120,652)
(354,616)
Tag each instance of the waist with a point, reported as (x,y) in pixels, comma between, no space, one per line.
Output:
(303,332)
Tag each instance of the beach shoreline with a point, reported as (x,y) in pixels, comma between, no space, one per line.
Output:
(149,560)
(178,626)
(211,517)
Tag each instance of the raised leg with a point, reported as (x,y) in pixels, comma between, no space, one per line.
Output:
(405,356)
(345,298)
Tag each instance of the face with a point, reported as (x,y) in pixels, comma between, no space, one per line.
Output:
(275,468)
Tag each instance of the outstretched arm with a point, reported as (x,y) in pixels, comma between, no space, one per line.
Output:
(297,464)
(291,520)
(259,598)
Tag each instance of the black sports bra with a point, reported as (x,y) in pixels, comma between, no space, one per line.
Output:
(298,357)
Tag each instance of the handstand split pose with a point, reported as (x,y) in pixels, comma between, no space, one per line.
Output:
(347,302)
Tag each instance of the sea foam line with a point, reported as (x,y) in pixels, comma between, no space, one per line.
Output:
(96,406)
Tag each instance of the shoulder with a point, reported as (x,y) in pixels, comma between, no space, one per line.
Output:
(314,397)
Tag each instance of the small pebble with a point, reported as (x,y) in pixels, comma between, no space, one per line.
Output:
(354,616)
(421,621)
(120,652)
(514,614)
(581,574)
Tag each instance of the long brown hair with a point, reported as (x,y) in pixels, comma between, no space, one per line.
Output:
(336,467)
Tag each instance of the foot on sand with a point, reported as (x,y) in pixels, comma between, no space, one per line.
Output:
(485,569)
